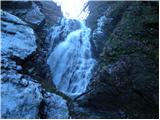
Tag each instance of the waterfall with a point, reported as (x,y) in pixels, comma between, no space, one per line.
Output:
(71,61)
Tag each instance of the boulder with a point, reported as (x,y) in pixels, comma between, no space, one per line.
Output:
(21,97)
(18,39)
(55,107)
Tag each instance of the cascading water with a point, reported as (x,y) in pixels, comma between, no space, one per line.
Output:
(71,61)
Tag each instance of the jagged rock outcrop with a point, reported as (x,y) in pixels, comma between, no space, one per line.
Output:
(17,38)
(126,78)
(35,13)
(22,96)
(46,14)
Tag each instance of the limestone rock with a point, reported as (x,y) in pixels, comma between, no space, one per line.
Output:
(17,38)
(21,97)
(55,107)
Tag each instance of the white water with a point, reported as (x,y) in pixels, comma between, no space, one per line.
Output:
(71,62)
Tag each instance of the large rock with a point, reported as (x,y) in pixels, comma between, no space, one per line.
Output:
(22,96)
(126,78)
(35,65)
(55,107)
(35,13)
(18,39)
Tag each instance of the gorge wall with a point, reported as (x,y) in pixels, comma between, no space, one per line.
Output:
(25,77)
(125,43)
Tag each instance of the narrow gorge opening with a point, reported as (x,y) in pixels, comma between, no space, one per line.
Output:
(71,61)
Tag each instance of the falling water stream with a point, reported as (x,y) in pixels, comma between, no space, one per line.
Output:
(71,61)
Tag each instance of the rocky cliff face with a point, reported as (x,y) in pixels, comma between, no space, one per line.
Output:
(125,42)
(40,16)
(22,94)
